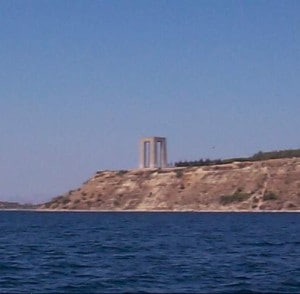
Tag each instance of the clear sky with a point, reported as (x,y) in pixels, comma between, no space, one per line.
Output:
(82,81)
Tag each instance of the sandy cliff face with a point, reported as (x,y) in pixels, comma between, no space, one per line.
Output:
(264,185)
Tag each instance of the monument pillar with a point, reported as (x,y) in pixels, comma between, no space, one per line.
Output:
(153,152)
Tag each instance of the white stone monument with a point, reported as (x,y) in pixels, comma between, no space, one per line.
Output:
(153,152)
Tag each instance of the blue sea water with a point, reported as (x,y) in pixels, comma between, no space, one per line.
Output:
(68,252)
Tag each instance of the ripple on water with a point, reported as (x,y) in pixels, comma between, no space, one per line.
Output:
(149,252)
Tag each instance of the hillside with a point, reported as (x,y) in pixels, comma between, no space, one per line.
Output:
(262,185)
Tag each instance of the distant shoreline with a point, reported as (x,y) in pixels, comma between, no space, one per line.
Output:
(154,211)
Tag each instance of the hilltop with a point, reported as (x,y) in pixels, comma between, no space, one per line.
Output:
(272,184)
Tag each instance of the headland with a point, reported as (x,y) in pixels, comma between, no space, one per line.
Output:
(268,185)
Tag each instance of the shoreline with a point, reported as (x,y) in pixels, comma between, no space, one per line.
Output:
(155,211)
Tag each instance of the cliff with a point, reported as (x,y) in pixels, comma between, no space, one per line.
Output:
(262,185)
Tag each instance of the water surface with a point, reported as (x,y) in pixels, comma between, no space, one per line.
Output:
(48,252)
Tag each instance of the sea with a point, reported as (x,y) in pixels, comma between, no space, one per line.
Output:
(149,252)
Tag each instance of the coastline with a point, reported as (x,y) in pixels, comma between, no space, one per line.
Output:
(156,211)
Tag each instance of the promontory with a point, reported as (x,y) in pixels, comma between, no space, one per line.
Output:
(238,186)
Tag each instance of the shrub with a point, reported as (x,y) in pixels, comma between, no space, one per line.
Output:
(237,196)
(179,173)
(65,200)
(290,153)
(116,202)
(291,205)
(48,205)
(121,172)
(268,195)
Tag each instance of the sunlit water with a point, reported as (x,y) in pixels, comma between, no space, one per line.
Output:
(149,252)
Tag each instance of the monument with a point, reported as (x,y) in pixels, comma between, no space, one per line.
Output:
(153,152)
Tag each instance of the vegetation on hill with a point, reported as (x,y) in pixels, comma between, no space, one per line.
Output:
(238,196)
(256,157)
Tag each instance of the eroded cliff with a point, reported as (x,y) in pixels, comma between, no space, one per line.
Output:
(262,185)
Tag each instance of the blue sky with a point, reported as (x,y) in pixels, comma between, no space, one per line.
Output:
(82,81)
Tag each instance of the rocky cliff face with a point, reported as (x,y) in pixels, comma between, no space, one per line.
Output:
(262,185)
